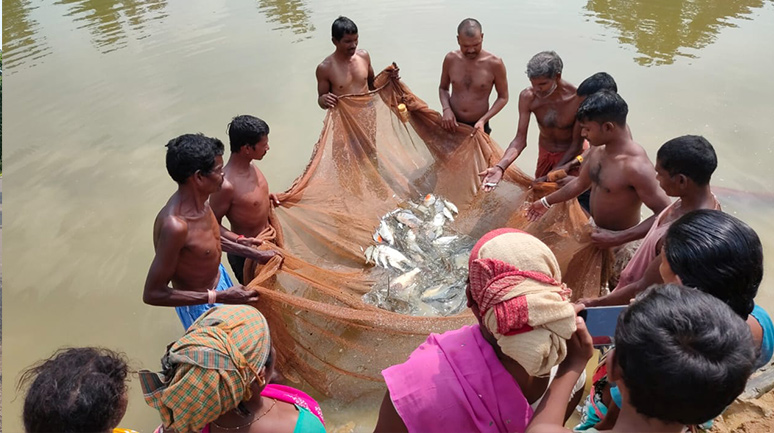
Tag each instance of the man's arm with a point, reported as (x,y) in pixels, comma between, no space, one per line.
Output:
(370,71)
(576,147)
(448,119)
(623,295)
(325,99)
(501,85)
(571,190)
(157,291)
(493,175)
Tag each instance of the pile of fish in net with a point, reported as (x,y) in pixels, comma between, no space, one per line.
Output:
(425,262)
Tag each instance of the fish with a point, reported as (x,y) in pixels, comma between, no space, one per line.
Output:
(449,205)
(446,240)
(411,241)
(436,293)
(390,257)
(438,220)
(429,200)
(369,254)
(447,213)
(408,218)
(386,232)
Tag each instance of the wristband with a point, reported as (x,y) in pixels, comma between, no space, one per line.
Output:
(500,167)
(211,296)
(545,204)
(239,237)
(447,108)
(579,158)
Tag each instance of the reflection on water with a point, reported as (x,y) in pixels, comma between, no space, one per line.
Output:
(109,22)
(660,30)
(289,14)
(22,44)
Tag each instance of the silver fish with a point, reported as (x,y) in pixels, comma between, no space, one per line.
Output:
(435,293)
(386,232)
(446,240)
(438,220)
(390,257)
(429,200)
(447,213)
(408,218)
(449,205)
(369,254)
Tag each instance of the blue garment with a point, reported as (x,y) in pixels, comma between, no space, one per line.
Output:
(189,313)
(767,344)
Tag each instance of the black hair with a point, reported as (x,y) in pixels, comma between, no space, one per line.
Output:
(603,106)
(75,390)
(684,356)
(343,26)
(469,26)
(544,64)
(246,130)
(595,83)
(190,153)
(689,155)
(717,254)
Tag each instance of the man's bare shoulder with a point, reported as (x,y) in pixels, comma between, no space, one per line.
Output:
(492,59)
(527,95)
(325,65)
(637,163)
(169,224)
(453,56)
(363,54)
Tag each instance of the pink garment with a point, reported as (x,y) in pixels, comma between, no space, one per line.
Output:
(293,396)
(645,254)
(453,382)
(288,395)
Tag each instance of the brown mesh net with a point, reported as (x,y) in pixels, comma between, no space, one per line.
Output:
(369,158)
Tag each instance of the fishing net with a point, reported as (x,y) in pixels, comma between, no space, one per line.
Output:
(370,157)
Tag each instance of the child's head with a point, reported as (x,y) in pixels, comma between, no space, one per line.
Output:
(246,130)
(683,159)
(717,254)
(81,389)
(681,356)
(595,83)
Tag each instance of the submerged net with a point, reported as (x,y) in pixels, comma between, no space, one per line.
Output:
(372,156)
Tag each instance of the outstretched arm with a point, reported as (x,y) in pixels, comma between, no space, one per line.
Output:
(492,176)
(623,295)
(571,190)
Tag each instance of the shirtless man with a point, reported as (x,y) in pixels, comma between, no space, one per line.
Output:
(244,198)
(554,103)
(186,236)
(618,170)
(346,71)
(472,73)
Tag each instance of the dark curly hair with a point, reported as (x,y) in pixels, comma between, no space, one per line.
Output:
(77,390)
(190,153)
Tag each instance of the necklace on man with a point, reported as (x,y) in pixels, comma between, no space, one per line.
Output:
(249,423)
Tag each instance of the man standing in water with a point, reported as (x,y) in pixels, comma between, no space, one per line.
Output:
(244,198)
(472,73)
(619,172)
(346,71)
(186,236)
(554,103)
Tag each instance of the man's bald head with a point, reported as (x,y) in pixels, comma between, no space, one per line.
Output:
(469,27)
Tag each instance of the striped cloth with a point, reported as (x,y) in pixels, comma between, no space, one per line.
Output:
(208,371)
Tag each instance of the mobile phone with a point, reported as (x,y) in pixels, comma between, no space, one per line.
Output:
(601,321)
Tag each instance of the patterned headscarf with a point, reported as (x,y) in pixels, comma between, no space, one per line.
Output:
(208,371)
(515,281)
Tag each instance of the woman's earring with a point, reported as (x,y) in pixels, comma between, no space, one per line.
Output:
(261,381)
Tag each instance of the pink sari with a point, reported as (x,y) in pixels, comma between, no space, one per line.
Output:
(454,382)
(287,395)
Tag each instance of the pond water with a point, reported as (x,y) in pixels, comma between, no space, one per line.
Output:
(95,88)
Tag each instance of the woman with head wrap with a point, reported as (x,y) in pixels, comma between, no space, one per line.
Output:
(214,380)
(488,377)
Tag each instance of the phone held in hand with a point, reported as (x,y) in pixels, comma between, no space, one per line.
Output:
(601,322)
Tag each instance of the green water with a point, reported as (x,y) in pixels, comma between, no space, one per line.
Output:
(94,89)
